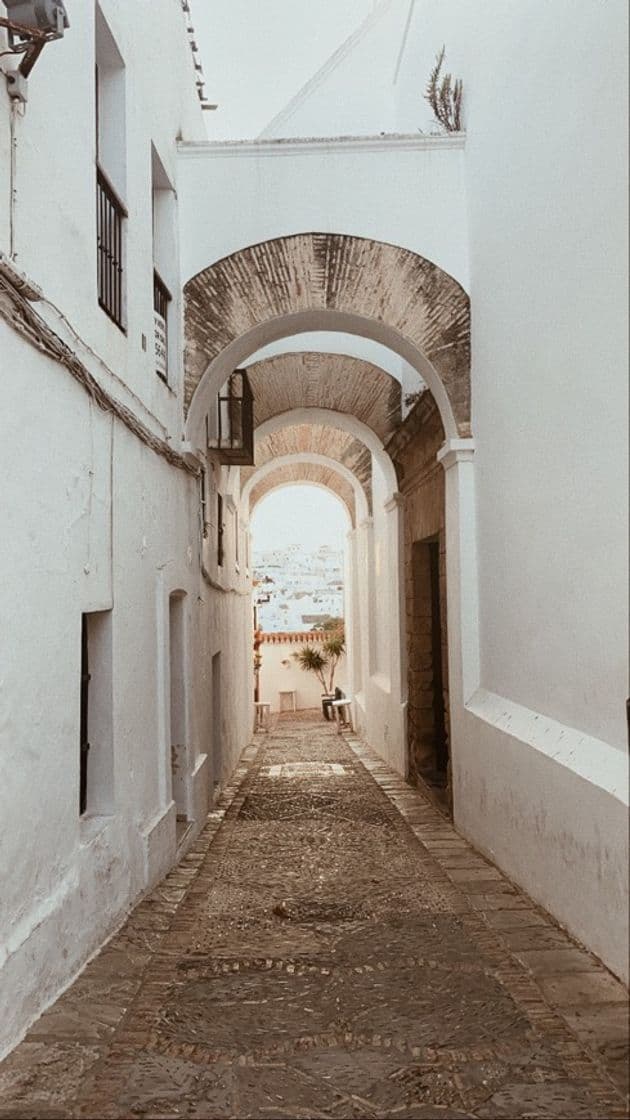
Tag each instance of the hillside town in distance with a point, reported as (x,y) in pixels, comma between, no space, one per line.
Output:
(304,586)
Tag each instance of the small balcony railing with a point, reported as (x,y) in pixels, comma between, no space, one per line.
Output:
(110,216)
(231,431)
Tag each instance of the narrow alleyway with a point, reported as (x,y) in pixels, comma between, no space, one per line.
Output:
(329,947)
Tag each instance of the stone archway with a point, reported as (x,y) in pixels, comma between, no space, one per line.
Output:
(312,477)
(320,440)
(328,421)
(318,281)
(306,468)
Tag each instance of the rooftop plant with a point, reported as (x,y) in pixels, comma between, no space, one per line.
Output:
(445,96)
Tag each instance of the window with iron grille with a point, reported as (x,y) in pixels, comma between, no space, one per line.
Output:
(85,693)
(220,530)
(161,300)
(203,502)
(111,170)
(110,215)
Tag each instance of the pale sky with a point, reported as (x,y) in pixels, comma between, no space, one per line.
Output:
(298,514)
(257,54)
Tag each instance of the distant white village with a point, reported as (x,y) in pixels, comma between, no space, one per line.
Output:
(305,587)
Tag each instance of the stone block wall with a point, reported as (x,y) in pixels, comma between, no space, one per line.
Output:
(421,480)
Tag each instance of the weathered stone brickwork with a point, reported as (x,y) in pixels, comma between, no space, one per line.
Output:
(320,380)
(414,449)
(331,272)
(301,473)
(298,439)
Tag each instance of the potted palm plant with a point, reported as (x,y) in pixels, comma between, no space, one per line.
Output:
(323,663)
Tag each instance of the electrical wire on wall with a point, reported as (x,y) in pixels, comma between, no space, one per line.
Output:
(17,109)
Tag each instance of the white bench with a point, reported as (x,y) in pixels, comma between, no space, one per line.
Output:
(342,717)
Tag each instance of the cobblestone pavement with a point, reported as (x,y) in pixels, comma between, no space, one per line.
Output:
(329,947)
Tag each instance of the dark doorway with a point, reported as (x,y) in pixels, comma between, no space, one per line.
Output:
(428,734)
(84,745)
(96,757)
(216,723)
(177,646)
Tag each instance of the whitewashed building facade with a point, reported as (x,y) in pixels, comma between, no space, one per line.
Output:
(341,258)
(101,515)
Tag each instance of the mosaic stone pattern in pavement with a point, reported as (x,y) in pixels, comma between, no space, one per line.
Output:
(330,947)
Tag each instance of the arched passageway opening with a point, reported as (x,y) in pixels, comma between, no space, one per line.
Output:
(303,638)
(349,409)
(373,575)
(306,468)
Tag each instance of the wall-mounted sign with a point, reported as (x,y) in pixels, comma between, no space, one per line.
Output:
(161,348)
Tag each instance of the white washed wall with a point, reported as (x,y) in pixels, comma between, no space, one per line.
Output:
(406,192)
(546,168)
(545,179)
(530,220)
(93,520)
(55,210)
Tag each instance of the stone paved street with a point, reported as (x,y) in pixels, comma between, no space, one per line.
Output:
(329,948)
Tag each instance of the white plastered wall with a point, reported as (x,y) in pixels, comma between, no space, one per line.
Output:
(532,221)
(541,781)
(280,672)
(412,194)
(54,212)
(95,521)
(376,568)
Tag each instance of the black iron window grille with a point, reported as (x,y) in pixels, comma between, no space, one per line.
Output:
(110,215)
(84,745)
(203,503)
(220,530)
(161,299)
(234,439)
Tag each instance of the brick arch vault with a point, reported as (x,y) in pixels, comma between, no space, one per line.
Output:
(304,478)
(302,468)
(323,281)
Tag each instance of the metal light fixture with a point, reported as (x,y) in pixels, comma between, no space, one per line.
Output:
(46,16)
(31,24)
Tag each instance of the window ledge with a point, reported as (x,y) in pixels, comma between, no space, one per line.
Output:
(119,326)
(91,827)
(166,384)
